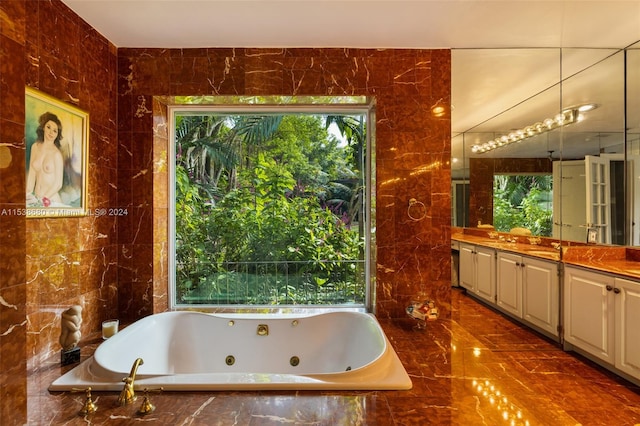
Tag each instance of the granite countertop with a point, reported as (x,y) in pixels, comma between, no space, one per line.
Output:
(616,260)
(619,260)
(521,246)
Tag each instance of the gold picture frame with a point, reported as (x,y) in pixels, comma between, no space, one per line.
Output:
(56,139)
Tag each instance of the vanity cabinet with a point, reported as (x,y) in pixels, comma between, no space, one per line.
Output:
(627,326)
(477,270)
(602,314)
(589,304)
(509,283)
(529,289)
(592,312)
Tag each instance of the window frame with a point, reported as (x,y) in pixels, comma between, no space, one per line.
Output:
(345,106)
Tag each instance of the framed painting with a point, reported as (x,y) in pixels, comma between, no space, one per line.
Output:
(56,138)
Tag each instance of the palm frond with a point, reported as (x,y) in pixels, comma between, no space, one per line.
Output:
(350,127)
(221,153)
(257,129)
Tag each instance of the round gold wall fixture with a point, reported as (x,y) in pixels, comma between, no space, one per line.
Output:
(230,360)
(294,361)
(263,330)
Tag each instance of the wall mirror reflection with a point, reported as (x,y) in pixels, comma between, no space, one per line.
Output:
(553,120)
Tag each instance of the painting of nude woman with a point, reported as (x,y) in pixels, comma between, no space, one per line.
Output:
(56,137)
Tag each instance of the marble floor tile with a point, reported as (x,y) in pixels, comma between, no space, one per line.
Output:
(476,368)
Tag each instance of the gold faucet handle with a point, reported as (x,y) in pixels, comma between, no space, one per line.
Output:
(147,407)
(127,395)
(89,406)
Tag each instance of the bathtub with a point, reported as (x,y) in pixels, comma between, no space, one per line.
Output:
(193,351)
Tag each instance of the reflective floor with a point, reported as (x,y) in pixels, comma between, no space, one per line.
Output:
(478,368)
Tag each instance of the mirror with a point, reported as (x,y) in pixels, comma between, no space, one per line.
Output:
(528,101)
(633,137)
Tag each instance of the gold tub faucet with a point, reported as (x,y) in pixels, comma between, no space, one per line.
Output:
(127,396)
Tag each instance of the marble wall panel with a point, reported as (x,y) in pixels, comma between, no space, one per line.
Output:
(412,147)
(13,322)
(13,408)
(117,266)
(13,288)
(160,158)
(47,265)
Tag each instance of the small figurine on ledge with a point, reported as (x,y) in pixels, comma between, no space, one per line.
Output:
(422,312)
(70,335)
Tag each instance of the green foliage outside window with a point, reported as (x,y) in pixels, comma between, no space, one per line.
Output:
(524,202)
(267,212)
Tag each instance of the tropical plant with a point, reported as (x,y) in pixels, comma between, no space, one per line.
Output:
(523,201)
(256,189)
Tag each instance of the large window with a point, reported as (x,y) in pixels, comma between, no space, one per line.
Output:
(271,206)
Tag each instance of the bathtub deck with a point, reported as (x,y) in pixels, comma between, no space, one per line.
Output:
(448,364)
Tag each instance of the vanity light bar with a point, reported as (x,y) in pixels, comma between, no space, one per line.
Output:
(566,117)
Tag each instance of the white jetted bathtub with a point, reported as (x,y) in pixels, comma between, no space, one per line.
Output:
(197,351)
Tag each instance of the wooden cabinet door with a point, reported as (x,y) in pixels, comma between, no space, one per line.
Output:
(627,302)
(540,294)
(467,267)
(589,312)
(485,274)
(509,283)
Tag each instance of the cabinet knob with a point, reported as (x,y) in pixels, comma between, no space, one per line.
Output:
(609,288)
(616,290)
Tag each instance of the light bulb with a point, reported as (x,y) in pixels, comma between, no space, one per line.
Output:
(559,119)
(587,107)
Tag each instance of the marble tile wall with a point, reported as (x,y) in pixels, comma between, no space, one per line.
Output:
(13,329)
(412,152)
(46,265)
(117,265)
